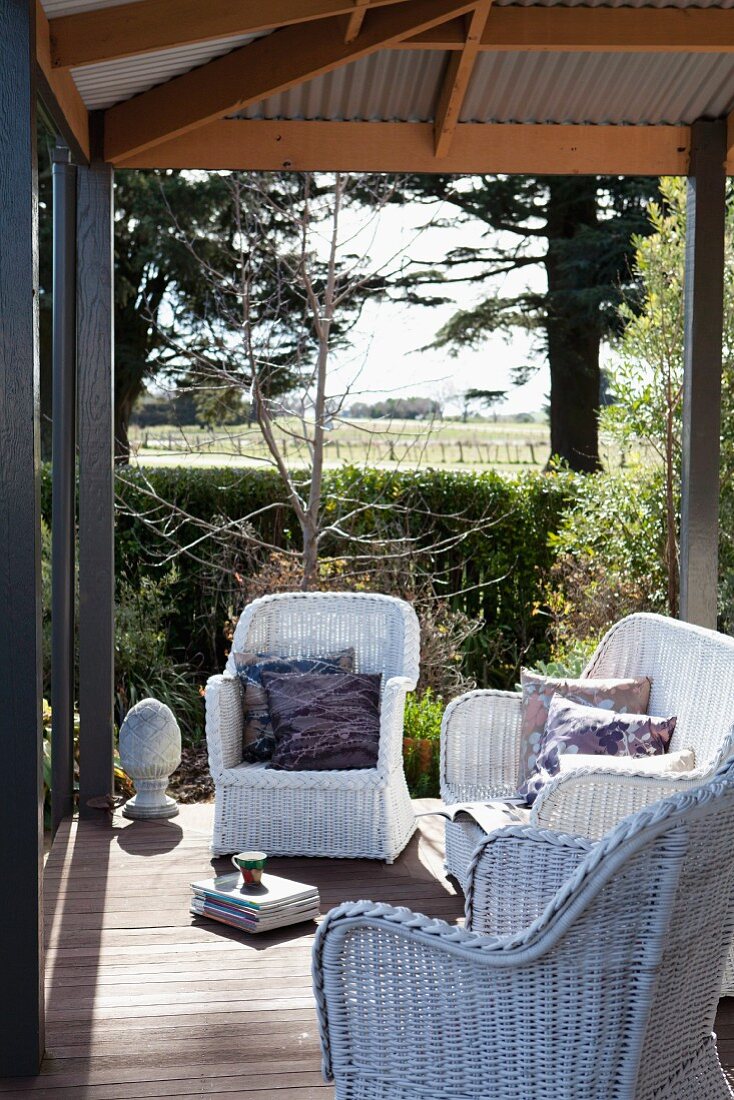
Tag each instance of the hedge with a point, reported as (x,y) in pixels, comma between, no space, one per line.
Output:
(496,573)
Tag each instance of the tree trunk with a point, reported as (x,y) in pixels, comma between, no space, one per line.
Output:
(572,324)
(310,558)
(124,404)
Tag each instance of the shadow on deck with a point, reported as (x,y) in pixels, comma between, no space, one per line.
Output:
(146,1001)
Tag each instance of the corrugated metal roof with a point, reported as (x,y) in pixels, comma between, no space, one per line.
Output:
(389,86)
(107,83)
(66,7)
(55,8)
(599,88)
(402,85)
(616,3)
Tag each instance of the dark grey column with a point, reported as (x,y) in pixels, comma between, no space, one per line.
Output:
(21,805)
(704,304)
(96,490)
(63,527)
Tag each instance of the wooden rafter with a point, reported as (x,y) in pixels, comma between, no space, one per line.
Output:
(61,93)
(356,19)
(409,147)
(263,68)
(91,37)
(600,30)
(140,27)
(456,80)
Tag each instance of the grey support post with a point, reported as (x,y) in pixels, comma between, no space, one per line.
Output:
(704,304)
(21,807)
(63,528)
(96,487)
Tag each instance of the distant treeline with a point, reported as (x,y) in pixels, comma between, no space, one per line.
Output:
(398,408)
(181,409)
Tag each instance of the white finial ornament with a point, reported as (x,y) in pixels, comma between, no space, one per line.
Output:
(150,750)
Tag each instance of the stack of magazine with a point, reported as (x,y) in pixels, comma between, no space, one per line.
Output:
(273,903)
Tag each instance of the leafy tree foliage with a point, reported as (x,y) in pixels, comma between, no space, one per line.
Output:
(647,379)
(161,299)
(579,228)
(489,398)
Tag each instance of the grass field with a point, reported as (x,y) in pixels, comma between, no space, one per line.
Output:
(504,444)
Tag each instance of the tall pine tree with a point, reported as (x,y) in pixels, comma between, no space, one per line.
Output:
(580,229)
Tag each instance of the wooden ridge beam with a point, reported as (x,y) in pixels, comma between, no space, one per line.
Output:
(409,147)
(60,93)
(141,27)
(599,30)
(91,37)
(260,69)
(456,80)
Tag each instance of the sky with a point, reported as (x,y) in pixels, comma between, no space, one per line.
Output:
(385,354)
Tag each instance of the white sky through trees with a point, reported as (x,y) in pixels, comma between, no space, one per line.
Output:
(387,341)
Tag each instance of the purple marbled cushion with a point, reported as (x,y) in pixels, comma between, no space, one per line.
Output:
(259,739)
(623,696)
(324,723)
(574,728)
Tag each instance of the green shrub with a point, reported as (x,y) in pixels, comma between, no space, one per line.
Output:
(422,745)
(143,664)
(495,574)
(609,560)
(173,623)
(423,715)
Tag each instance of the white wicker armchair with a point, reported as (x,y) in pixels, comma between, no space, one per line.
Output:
(601,985)
(692,672)
(361,813)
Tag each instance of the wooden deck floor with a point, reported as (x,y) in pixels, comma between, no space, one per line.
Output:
(146,1001)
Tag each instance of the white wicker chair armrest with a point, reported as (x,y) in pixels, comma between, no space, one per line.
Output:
(590,801)
(466,990)
(392,712)
(480,746)
(224,723)
(514,874)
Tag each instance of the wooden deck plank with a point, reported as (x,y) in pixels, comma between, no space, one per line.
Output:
(146,1001)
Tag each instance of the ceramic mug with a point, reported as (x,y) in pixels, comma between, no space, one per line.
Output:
(251,865)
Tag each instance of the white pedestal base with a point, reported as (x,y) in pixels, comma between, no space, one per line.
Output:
(150,801)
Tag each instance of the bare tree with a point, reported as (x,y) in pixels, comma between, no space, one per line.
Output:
(283,306)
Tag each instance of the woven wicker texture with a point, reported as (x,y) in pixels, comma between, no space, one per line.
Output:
(603,987)
(692,673)
(350,814)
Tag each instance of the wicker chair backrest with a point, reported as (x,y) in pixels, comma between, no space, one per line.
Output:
(382,630)
(692,673)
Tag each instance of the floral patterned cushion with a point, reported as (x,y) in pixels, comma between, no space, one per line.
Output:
(630,696)
(324,723)
(574,728)
(259,740)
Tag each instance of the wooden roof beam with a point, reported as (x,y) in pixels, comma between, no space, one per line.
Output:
(730,143)
(260,69)
(60,94)
(600,30)
(409,147)
(91,37)
(456,80)
(137,28)
(356,19)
